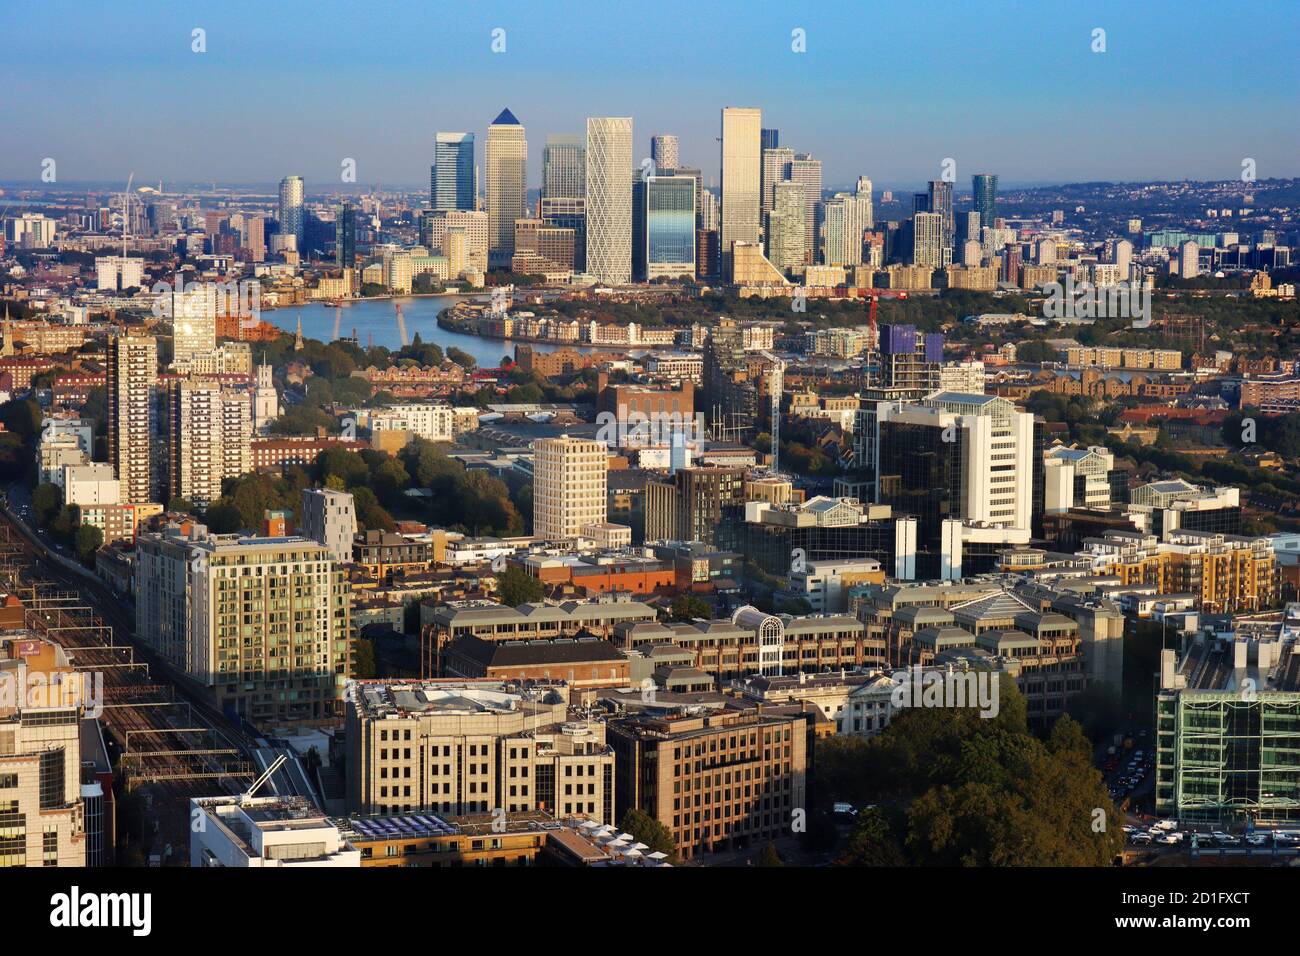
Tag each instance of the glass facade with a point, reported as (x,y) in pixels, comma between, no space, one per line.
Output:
(1225,759)
(666,233)
(984,186)
(452,182)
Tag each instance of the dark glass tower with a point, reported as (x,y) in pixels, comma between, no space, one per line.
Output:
(984,187)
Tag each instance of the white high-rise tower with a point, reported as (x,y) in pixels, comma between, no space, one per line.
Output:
(609,198)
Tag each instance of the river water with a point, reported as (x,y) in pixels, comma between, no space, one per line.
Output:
(375,320)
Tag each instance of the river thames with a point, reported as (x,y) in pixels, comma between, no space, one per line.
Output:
(375,320)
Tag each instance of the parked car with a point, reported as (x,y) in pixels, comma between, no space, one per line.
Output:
(1140,839)
(1225,839)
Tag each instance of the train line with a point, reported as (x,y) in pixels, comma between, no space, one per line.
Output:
(162,735)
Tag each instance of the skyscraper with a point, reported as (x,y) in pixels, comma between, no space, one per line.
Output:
(564,167)
(741,177)
(846,220)
(941,203)
(863,192)
(663,241)
(984,187)
(663,150)
(808,172)
(210,431)
(131,377)
(345,236)
(194,323)
(451,178)
(609,198)
(770,138)
(506,159)
(786,239)
(569,482)
(776,167)
(927,240)
(291,213)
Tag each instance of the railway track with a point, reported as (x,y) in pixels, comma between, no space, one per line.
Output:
(161,734)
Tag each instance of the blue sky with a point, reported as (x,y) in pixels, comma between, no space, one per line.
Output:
(1185,89)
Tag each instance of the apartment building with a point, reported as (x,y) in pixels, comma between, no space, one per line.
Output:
(262,623)
(330,518)
(1227,574)
(569,486)
(132,378)
(460,746)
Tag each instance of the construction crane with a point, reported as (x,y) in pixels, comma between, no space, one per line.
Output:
(401,324)
(777,385)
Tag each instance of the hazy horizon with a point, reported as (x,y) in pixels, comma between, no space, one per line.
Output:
(1007,87)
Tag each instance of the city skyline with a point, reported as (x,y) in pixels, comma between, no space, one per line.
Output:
(916,106)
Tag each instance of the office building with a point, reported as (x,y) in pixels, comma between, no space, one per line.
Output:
(44,808)
(663,244)
(451,177)
(776,169)
(964,466)
(569,214)
(1228,729)
(808,172)
(329,518)
(506,161)
(264,832)
(663,152)
(569,486)
(741,178)
(472,231)
(290,213)
(609,198)
(132,376)
(693,503)
(564,167)
(716,779)
(345,236)
(455,746)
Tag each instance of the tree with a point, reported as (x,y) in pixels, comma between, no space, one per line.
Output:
(646,829)
(89,539)
(365,666)
(687,607)
(516,586)
(769,856)
(872,842)
(954,788)
(46,501)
